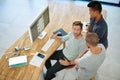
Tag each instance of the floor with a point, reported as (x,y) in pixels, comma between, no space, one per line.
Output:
(16,15)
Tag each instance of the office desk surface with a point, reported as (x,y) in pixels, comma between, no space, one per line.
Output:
(61,15)
(28,72)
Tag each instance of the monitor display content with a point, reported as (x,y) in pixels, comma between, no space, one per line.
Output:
(39,25)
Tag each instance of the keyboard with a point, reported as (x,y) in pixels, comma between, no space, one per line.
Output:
(47,44)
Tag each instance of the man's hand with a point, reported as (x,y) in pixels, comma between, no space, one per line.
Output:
(53,36)
(88,27)
(64,62)
(56,37)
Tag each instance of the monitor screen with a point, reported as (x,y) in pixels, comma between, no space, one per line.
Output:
(38,25)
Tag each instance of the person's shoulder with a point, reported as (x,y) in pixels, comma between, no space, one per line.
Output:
(102,23)
(103,20)
(70,34)
(82,38)
(102,46)
(92,19)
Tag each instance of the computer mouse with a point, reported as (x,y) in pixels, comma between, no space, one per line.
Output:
(26,48)
(59,34)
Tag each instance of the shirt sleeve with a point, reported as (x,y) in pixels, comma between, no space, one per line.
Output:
(101,30)
(66,37)
(83,46)
(84,61)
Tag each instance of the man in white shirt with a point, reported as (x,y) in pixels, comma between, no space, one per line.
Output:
(75,45)
(90,61)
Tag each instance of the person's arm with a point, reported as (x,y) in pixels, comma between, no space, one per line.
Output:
(62,39)
(101,31)
(56,37)
(77,59)
(84,52)
(65,62)
(88,27)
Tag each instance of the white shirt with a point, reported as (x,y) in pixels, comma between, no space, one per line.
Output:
(74,47)
(90,63)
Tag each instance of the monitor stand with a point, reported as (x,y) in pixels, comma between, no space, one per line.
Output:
(42,35)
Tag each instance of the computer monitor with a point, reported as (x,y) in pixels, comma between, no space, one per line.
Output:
(39,25)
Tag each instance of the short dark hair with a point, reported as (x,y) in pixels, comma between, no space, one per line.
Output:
(77,23)
(95,5)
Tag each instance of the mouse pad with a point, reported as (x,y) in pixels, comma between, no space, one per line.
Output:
(60,31)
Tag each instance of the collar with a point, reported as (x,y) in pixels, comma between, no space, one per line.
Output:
(100,20)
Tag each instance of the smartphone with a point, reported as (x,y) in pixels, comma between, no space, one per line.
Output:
(40,55)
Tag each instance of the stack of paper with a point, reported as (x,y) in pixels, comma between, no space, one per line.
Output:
(18,61)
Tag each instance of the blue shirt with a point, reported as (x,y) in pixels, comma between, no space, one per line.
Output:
(101,29)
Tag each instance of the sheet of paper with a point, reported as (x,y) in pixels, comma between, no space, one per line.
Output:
(37,59)
(17,60)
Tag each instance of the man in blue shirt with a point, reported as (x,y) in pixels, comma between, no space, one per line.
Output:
(98,24)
